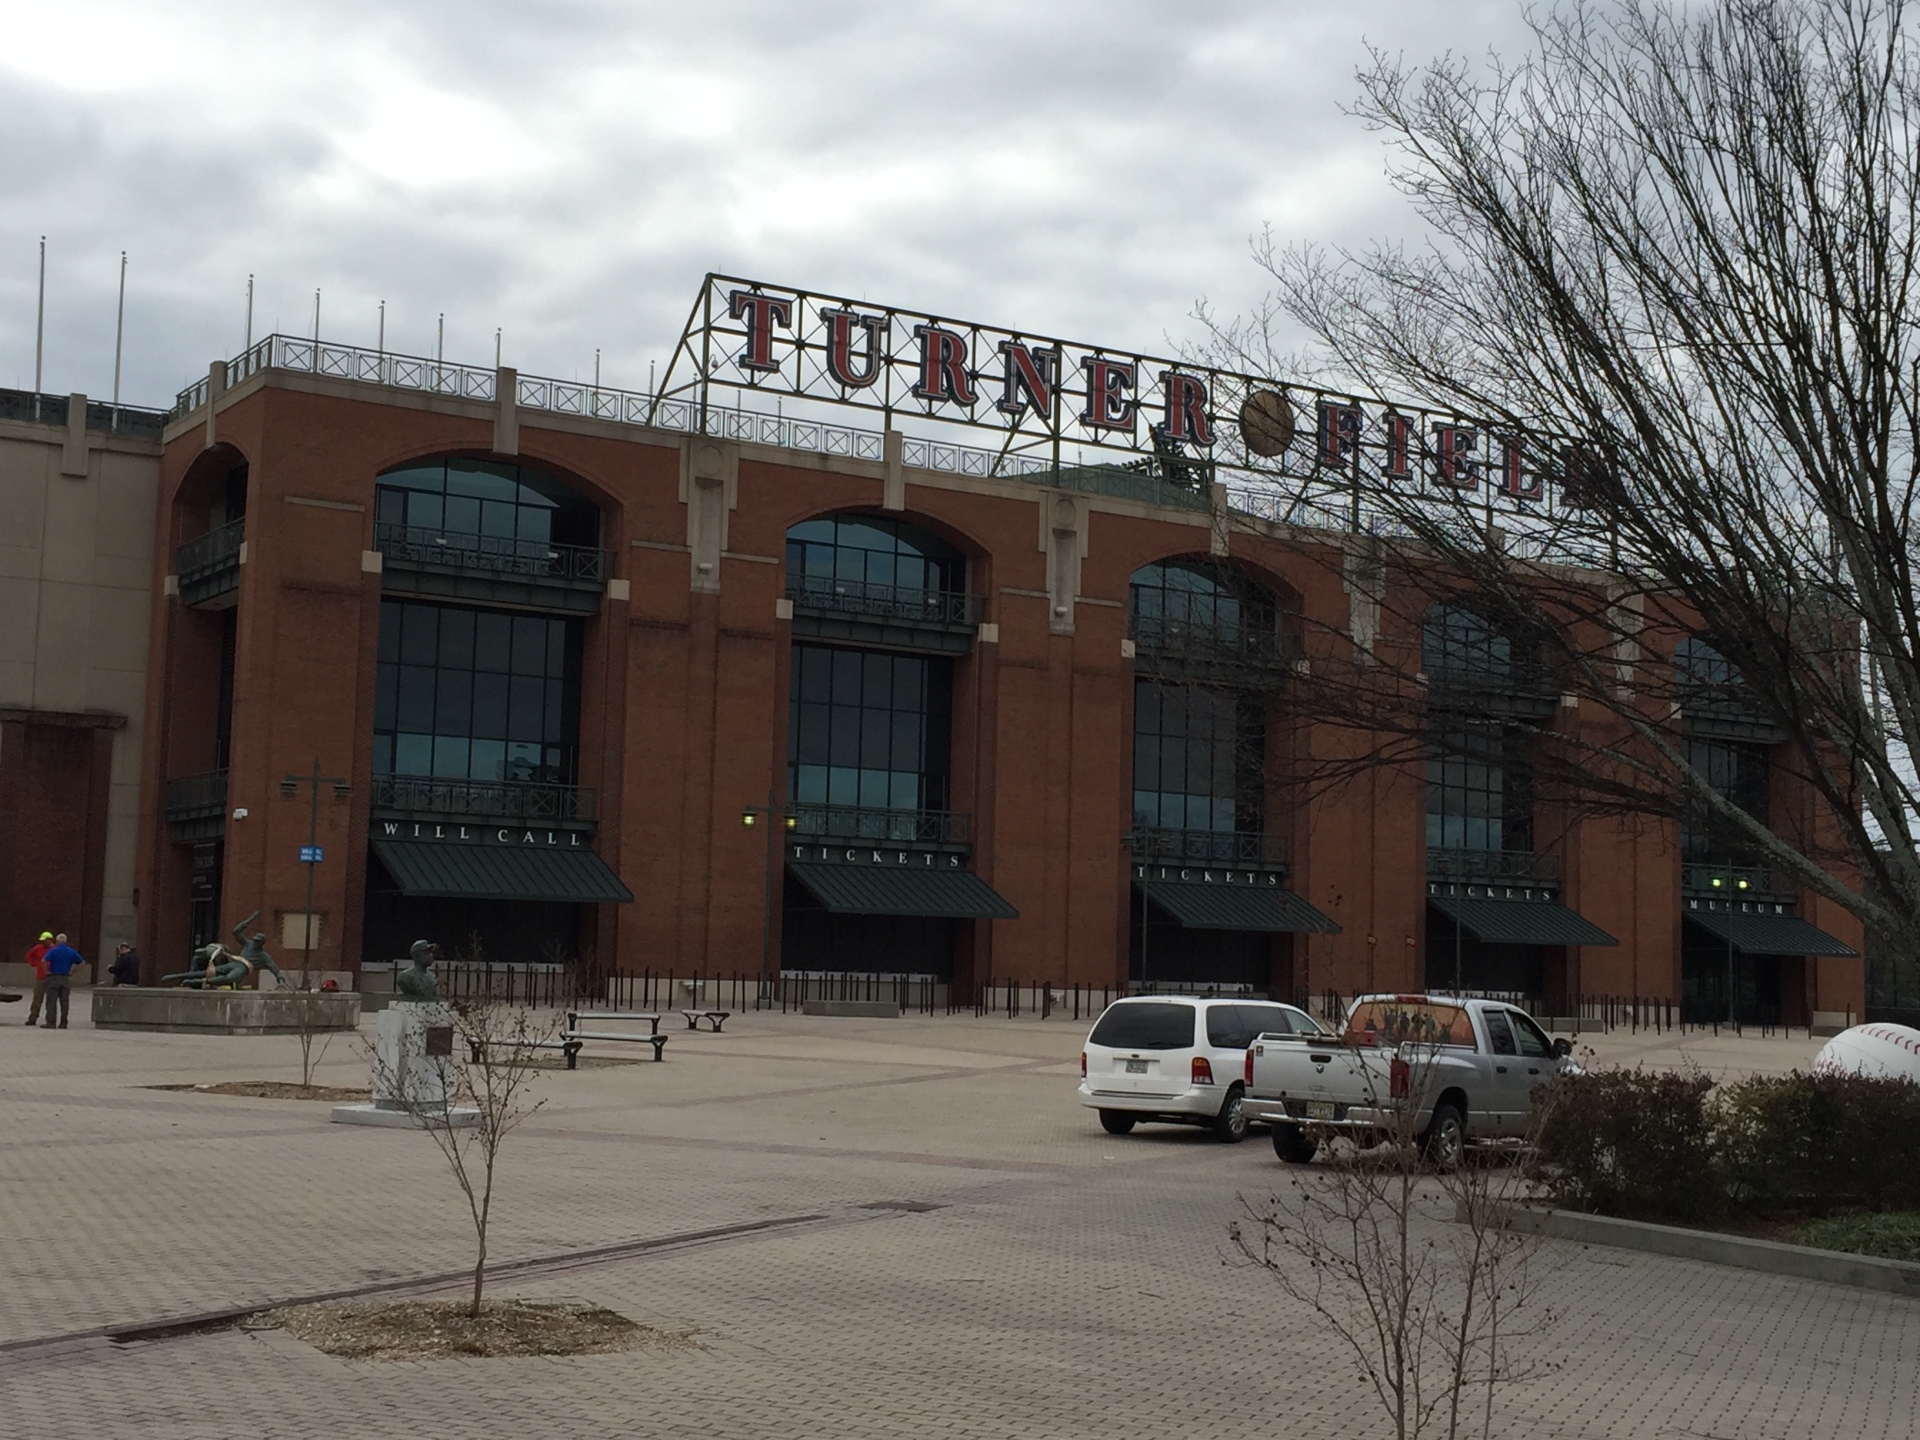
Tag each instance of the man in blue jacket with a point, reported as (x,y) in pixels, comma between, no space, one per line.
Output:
(60,962)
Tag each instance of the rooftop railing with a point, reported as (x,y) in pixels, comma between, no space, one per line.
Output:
(627,407)
(103,416)
(534,802)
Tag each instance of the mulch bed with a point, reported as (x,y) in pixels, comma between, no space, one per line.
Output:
(426,1329)
(275,1090)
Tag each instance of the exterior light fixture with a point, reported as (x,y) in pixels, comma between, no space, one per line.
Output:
(793,822)
(749,819)
(1742,883)
(1717,882)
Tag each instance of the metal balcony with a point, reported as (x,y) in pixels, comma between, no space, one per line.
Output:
(1493,867)
(1241,656)
(492,569)
(1735,883)
(1249,849)
(196,806)
(871,825)
(208,569)
(895,616)
(1523,688)
(427,797)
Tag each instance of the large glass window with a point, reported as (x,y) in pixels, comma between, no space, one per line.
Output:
(1175,601)
(866,728)
(871,550)
(502,502)
(476,694)
(1462,644)
(1739,773)
(1479,790)
(1197,754)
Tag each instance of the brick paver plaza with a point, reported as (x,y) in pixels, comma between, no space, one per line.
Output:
(1068,1284)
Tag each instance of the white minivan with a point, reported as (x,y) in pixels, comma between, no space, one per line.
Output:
(1179,1059)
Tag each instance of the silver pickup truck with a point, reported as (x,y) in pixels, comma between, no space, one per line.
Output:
(1436,1068)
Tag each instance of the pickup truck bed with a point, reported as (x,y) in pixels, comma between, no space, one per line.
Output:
(1441,1070)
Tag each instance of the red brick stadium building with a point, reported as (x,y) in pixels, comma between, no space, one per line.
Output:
(702,681)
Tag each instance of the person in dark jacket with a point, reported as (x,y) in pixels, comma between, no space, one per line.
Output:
(61,961)
(126,966)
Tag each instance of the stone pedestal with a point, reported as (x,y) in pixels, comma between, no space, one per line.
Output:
(223,1012)
(413,1061)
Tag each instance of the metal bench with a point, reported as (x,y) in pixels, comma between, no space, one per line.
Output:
(653,1037)
(566,1044)
(716,1018)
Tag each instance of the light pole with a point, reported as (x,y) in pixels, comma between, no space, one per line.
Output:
(1730,882)
(310,852)
(750,817)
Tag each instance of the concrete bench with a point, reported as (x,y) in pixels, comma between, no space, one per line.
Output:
(568,1045)
(716,1018)
(652,1017)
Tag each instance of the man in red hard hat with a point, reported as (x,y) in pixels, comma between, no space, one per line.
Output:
(37,958)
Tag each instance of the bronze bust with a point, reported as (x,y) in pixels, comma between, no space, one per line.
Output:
(416,984)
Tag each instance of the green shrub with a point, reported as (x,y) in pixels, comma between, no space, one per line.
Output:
(1670,1146)
(1896,1236)
(1630,1143)
(1812,1144)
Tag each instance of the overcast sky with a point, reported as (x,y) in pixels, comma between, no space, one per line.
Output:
(568,171)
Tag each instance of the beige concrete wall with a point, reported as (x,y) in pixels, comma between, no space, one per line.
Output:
(76,555)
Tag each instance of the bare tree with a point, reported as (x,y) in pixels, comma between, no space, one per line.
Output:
(1428,1313)
(1664,330)
(490,1065)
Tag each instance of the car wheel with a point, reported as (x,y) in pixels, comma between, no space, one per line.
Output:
(1116,1122)
(1230,1125)
(1294,1145)
(1445,1140)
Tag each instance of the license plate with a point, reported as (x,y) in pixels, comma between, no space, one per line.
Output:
(1136,1067)
(1319,1110)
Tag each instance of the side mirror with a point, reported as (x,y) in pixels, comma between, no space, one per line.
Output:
(1563,1047)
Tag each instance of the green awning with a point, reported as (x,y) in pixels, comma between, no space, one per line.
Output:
(1520,922)
(501,872)
(1271,909)
(1769,934)
(949,893)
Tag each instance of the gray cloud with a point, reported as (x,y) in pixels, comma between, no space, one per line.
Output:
(567,172)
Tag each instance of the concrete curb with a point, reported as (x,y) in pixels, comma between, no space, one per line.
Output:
(1835,1267)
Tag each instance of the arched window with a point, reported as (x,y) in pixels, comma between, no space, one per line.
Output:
(842,554)
(1460,644)
(1697,665)
(511,505)
(1199,602)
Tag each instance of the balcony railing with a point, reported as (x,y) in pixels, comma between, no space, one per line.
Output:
(1735,883)
(1262,849)
(875,826)
(208,567)
(1503,867)
(194,797)
(822,594)
(446,799)
(102,416)
(493,554)
(196,805)
(1517,686)
(1180,649)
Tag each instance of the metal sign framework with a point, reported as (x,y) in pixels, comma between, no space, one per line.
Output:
(1063,403)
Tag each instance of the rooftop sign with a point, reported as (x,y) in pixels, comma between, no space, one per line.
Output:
(1054,400)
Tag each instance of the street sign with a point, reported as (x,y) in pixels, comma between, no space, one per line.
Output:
(312,854)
